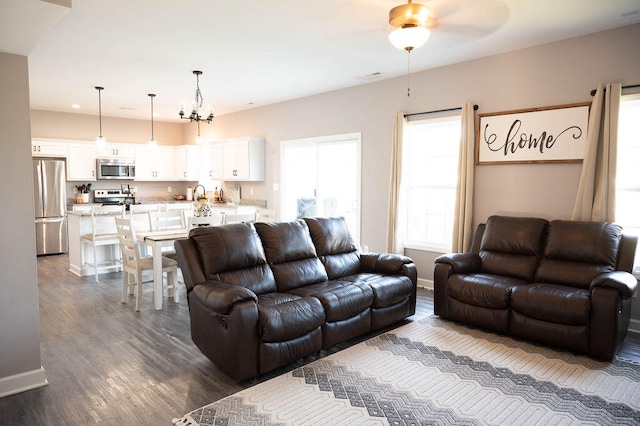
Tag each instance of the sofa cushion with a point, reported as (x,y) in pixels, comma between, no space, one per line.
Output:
(390,290)
(512,246)
(340,299)
(288,317)
(334,245)
(484,290)
(577,252)
(233,248)
(553,303)
(291,254)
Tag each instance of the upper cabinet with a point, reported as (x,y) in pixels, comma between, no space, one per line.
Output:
(81,161)
(187,162)
(155,163)
(112,150)
(216,162)
(243,159)
(45,148)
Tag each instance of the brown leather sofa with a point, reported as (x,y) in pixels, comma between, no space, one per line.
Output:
(266,294)
(562,283)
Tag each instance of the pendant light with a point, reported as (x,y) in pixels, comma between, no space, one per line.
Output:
(411,22)
(100,141)
(152,141)
(196,105)
(199,139)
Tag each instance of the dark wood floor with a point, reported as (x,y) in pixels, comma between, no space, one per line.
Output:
(108,365)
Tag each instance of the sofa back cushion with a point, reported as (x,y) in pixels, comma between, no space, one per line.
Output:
(291,254)
(234,254)
(576,252)
(335,246)
(512,246)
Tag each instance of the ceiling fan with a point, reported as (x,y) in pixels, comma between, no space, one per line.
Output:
(414,22)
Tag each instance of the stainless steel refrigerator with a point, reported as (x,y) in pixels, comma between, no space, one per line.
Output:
(50,201)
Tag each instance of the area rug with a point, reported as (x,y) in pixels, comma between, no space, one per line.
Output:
(437,372)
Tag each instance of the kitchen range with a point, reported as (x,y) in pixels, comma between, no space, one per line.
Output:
(114,197)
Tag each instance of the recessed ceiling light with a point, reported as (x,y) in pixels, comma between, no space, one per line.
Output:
(75,106)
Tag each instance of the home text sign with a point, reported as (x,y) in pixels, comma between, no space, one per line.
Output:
(551,134)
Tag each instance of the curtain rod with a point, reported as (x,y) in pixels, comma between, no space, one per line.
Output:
(475,108)
(593,92)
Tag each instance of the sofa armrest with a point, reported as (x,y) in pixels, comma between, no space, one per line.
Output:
(221,297)
(384,263)
(461,263)
(622,281)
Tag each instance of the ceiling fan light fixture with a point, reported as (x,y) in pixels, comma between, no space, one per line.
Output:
(409,38)
(409,15)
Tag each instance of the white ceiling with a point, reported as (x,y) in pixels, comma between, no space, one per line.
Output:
(256,52)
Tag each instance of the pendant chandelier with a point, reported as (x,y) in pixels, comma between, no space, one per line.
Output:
(100,141)
(152,141)
(194,114)
(411,22)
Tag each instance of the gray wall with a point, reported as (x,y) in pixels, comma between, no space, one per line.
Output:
(20,364)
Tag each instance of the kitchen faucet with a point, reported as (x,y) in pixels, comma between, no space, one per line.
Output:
(195,191)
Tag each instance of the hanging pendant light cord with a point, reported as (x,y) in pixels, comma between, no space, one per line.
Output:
(152,116)
(100,109)
(409,72)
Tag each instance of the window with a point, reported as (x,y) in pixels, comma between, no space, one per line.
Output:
(627,176)
(430,170)
(321,177)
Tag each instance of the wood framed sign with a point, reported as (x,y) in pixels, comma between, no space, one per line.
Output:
(538,135)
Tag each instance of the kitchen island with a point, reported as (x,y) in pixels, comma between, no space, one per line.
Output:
(79,224)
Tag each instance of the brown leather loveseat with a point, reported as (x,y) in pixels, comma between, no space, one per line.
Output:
(266,294)
(562,283)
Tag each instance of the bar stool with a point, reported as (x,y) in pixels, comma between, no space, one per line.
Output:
(103,234)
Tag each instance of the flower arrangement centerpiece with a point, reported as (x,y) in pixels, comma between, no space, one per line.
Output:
(201,204)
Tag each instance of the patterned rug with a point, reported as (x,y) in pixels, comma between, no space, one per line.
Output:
(437,372)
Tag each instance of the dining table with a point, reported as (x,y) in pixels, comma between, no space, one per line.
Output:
(156,240)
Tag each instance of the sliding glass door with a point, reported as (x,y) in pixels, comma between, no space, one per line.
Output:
(321,177)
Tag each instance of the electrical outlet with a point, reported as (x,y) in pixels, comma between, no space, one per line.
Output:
(169,188)
(250,191)
(276,187)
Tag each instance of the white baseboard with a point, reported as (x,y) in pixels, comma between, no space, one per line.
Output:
(634,326)
(428,284)
(22,382)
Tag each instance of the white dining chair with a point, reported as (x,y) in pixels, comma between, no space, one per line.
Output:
(167,220)
(144,208)
(239,218)
(212,220)
(135,265)
(266,215)
(103,234)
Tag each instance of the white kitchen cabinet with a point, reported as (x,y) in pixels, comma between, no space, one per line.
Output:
(243,159)
(187,162)
(120,151)
(81,161)
(216,165)
(48,148)
(155,163)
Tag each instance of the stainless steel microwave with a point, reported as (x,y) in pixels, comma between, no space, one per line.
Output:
(108,168)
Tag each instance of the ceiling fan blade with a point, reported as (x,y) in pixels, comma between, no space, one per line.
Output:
(468,18)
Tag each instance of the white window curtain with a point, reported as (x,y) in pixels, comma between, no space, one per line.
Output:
(596,192)
(395,232)
(463,213)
